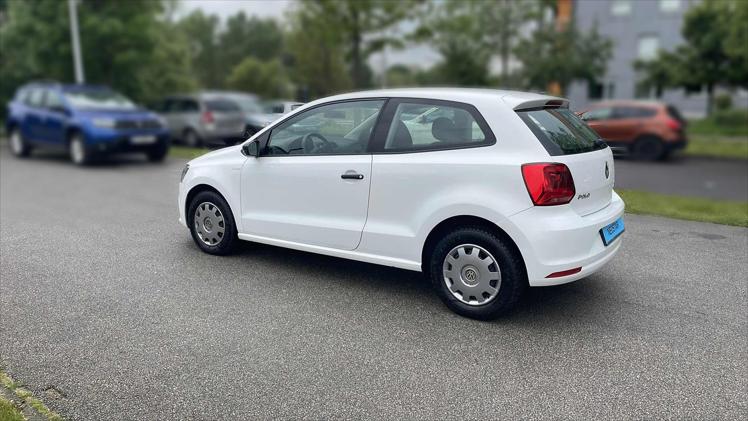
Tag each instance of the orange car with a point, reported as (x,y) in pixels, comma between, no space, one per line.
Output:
(649,130)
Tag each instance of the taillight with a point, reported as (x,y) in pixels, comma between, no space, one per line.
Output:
(207,117)
(549,184)
(673,124)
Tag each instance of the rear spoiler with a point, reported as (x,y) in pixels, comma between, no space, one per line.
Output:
(537,104)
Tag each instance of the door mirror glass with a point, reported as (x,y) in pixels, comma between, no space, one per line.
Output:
(251,149)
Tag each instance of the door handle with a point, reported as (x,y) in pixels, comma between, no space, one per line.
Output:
(352,176)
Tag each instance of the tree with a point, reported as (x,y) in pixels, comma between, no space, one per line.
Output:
(201,32)
(562,55)
(454,30)
(263,78)
(714,53)
(123,43)
(316,48)
(249,37)
(360,27)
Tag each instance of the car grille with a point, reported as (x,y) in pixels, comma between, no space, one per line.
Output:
(137,124)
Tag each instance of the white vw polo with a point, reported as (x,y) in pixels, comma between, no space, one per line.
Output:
(484,191)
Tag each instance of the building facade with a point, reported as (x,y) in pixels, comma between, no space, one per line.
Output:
(638,29)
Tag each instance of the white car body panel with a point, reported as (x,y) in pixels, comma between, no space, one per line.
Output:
(301,202)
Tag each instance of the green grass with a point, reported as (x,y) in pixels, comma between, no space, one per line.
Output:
(717,146)
(186,152)
(688,208)
(722,123)
(26,397)
(10,412)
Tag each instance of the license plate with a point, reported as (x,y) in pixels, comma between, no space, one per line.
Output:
(142,140)
(612,231)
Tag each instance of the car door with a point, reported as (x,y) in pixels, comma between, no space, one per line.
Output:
(32,125)
(54,118)
(310,184)
(170,113)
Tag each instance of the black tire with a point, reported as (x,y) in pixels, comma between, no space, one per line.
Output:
(648,148)
(158,152)
(226,242)
(80,153)
(513,275)
(18,145)
(192,139)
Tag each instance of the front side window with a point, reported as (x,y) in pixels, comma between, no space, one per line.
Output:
(424,126)
(54,100)
(561,132)
(35,98)
(334,129)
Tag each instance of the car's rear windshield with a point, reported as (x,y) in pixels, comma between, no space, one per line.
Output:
(674,113)
(221,105)
(561,132)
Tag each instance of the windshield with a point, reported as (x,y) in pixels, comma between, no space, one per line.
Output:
(561,132)
(100,99)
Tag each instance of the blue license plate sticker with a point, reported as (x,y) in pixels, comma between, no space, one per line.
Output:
(612,231)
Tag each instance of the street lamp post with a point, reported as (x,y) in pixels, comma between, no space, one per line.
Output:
(80,77)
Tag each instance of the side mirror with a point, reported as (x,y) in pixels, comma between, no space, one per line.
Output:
(251,149)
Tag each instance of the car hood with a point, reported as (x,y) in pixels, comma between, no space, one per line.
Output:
(233,153)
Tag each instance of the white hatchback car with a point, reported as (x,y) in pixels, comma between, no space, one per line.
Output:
(484,191)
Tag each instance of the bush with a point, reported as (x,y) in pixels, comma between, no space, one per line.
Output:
(732,118)
(722,123)
(722,102)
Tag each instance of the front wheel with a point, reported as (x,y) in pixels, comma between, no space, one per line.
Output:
(18,144)
(476,274)
(80,154)
(212,223)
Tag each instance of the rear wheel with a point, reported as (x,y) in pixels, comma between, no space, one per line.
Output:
(80,154)
(648,148)
(476,274)
(192,139)
(18,144)
(212,223)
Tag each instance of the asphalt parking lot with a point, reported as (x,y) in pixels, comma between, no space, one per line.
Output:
(104,297)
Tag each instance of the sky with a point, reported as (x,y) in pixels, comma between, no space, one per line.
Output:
(417,55)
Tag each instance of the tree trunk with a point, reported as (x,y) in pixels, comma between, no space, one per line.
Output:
(709,99)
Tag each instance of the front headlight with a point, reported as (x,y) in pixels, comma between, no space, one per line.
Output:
(184,172)
(104,122)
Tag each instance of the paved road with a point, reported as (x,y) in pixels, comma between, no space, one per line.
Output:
(103,296)
(686,176)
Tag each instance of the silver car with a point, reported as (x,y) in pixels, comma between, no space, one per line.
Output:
(203,118)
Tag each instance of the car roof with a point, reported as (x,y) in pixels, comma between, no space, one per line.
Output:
(513,99)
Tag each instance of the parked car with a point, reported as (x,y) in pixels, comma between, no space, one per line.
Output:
(506,189)
(85,120)
(203,118)
(255,116)
(647,130)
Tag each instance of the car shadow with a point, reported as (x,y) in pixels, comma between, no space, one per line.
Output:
(584,301)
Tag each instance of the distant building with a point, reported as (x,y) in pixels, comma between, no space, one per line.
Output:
(638,28)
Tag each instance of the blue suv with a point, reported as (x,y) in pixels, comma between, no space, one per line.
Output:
(85,120)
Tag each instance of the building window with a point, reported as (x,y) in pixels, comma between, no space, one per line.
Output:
(595,90)
(648,47)
(669,5)
(620,7)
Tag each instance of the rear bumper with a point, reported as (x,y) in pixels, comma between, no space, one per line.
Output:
(677,144)
(559,239)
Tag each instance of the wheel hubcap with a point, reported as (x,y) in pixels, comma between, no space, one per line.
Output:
(209,223)
(15,142)
(472,274)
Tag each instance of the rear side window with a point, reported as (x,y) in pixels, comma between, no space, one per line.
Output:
(561,132)
(221,105)
(419,126)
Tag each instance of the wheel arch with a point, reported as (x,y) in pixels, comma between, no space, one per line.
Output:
(197,189)
(460,221)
